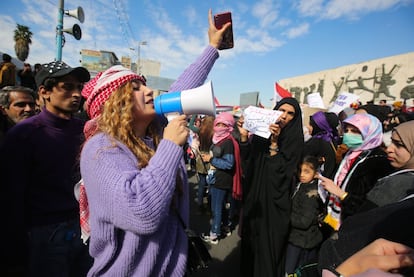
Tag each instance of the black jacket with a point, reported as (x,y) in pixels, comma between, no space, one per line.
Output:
(306,206)
(367,168)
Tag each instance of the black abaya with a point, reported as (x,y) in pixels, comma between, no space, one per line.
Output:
(266,208)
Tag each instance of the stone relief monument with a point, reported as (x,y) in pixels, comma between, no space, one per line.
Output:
(374,80)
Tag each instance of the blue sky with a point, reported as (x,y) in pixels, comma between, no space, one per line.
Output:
(274,40)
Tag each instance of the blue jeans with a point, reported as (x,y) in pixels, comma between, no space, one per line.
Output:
(201,188)
(218,197)
(57,250)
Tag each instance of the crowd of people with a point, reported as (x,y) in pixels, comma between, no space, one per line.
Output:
(105,195)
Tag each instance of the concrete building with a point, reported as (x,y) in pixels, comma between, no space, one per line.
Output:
(389,78)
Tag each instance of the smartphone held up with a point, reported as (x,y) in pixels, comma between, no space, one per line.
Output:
(221,19)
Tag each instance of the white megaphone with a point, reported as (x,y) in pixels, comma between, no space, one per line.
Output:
(198,100)
(74,31)
(77,13)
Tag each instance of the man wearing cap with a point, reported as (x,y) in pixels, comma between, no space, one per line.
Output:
(40,161)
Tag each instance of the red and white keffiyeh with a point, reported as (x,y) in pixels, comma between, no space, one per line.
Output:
(84,213)
(96,92)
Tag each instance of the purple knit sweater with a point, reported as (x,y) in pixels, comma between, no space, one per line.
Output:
(134,231)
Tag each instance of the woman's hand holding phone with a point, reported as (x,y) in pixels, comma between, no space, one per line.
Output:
(224,21)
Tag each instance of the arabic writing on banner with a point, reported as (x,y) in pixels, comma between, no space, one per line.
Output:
(257,120)
(344,100)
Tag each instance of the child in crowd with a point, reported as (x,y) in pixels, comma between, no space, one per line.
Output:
(224,159)
(305,236)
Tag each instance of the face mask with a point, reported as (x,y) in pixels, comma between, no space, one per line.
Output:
(352,140)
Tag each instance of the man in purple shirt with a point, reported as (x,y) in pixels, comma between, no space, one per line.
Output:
(41,166)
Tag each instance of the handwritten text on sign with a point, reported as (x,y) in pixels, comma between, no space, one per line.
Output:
(257,120)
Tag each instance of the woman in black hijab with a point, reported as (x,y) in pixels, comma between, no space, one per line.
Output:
(271,166)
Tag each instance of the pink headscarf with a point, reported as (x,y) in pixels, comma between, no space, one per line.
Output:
(370,128)
(371,131)
(220,133)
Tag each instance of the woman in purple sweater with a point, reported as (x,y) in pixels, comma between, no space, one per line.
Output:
(135,179)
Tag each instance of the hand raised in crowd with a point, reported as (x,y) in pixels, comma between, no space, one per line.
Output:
(177,130)
(244,133)
(330,186)
(381,254)
(215,36)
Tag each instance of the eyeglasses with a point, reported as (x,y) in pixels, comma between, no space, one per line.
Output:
(71,86)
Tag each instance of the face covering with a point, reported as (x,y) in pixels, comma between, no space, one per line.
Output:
(352,140)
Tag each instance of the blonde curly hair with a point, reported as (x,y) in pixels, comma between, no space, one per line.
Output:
(117,120)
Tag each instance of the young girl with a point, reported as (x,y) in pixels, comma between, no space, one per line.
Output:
(305,236)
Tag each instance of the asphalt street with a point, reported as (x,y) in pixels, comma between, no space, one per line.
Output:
(226,254)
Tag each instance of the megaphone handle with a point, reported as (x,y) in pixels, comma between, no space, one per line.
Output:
(171,116)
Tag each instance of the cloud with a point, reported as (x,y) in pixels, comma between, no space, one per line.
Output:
(351,9)
(259,41)
(355,8)
(6,35)
(169,43)
(191,15)
(266,11)
(310,7)
(297,31)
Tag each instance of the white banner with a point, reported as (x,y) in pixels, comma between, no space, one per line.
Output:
(315,100)
(344,100)
(257,120)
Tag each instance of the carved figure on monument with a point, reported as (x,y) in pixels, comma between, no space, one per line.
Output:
(338,87)
(408,91)
(360,84)
(308,91)
(297,93)
(320,87)
(385,80)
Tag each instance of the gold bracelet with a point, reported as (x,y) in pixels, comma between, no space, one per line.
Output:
(343,196)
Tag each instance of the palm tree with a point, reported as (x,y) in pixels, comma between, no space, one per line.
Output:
(22,39)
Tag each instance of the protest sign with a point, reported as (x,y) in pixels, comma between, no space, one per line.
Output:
(315,100)
(257,120)
(344,100)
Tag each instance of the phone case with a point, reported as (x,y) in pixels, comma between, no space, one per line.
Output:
(219,20)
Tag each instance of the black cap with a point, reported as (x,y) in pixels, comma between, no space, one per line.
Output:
(59,69)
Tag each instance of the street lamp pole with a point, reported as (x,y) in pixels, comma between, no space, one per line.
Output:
(139,55)
(59,31)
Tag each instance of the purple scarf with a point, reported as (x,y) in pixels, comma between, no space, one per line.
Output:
(327,132)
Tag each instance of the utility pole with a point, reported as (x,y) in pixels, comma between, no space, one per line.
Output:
(59,31)
(139,55)
(74,31)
